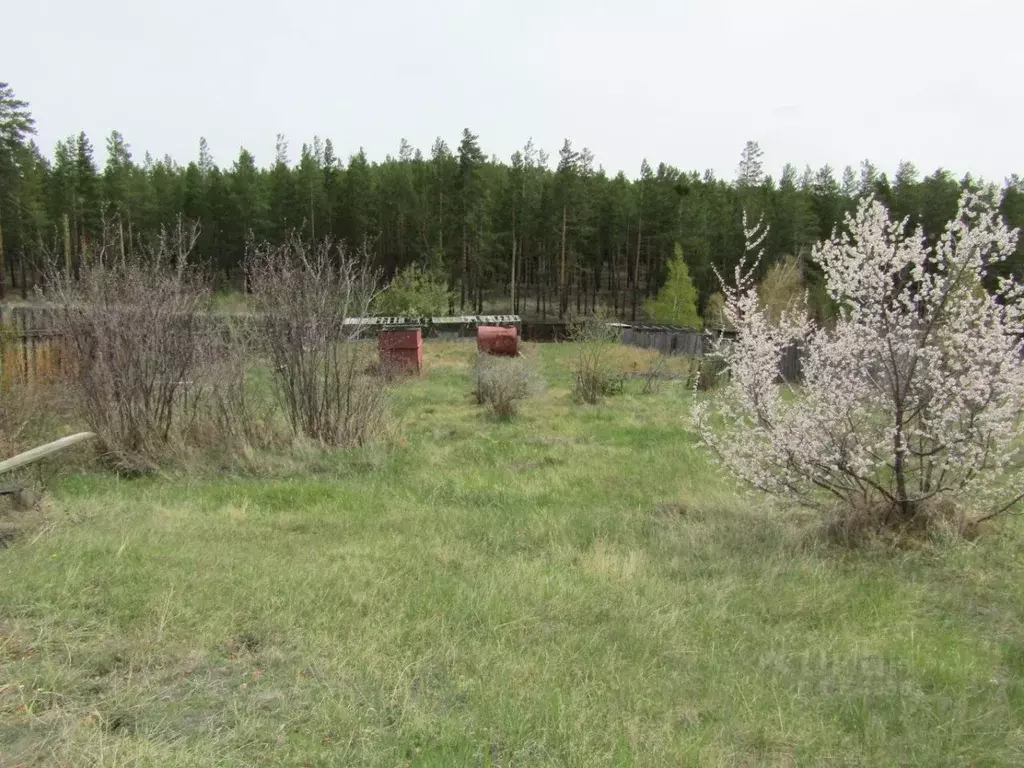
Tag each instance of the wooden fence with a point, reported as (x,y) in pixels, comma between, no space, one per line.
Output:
(672,340)
(30,346)
(667,339)
(31,350)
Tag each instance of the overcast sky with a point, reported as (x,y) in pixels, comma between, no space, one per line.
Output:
(687,82)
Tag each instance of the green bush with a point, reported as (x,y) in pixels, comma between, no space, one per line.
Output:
(593,365)
(414,292)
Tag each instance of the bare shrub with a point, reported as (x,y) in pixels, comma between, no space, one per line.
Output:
(654,377)
(865,522)
(15,411)
(134,328)
(19,409)
(593,365)
(32,412)
(707,372)
(35,406)
(302,294)
(502,383)
(240,411)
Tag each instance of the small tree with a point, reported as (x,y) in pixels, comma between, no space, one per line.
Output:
(782,289)
(593,364)
(676,302)
(714,313)
(911,402)
(413,292)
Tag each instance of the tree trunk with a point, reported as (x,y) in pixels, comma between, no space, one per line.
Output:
(538,278)
(544,288)
(636,268)
(67,246)
(465,270)
(3,286)
(579,288)
(563,292)
(903,504)
(24,273)
(478,269)
(524,273)
(513,283)
(614,280)
(12,263)
(120,229)
(649,271)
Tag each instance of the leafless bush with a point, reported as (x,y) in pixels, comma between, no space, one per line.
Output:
(653,377)
(240,410)
(593,366)
(865,523)
(31,412)
(303,294)
(707,372)
(34,400)
(502,383)
(12,416)
(135,328)
(19,407)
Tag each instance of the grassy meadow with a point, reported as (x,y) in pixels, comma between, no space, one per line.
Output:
(575,587)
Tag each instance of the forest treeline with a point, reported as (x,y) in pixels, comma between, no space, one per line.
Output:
(551,235)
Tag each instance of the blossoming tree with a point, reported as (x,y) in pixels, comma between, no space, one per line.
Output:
(910,398)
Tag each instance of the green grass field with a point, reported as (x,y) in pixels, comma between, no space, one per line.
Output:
(578,587)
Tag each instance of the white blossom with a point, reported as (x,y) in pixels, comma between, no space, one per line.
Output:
(912,394)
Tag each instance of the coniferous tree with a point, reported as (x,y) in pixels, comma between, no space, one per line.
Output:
(88,208)
(470,159)
(751,171)
(287,213)
(868,178)
(851,184)
(117,190)
(358,219)
(517,235)
(904,202)
(567,175)
(16,123)
(249,202)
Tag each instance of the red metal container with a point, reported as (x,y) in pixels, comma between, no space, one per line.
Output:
(401,348)
(496,340)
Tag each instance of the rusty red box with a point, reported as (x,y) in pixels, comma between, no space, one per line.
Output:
(496,340)
(402,348)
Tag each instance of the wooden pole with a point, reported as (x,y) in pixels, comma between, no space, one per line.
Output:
(28,457)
